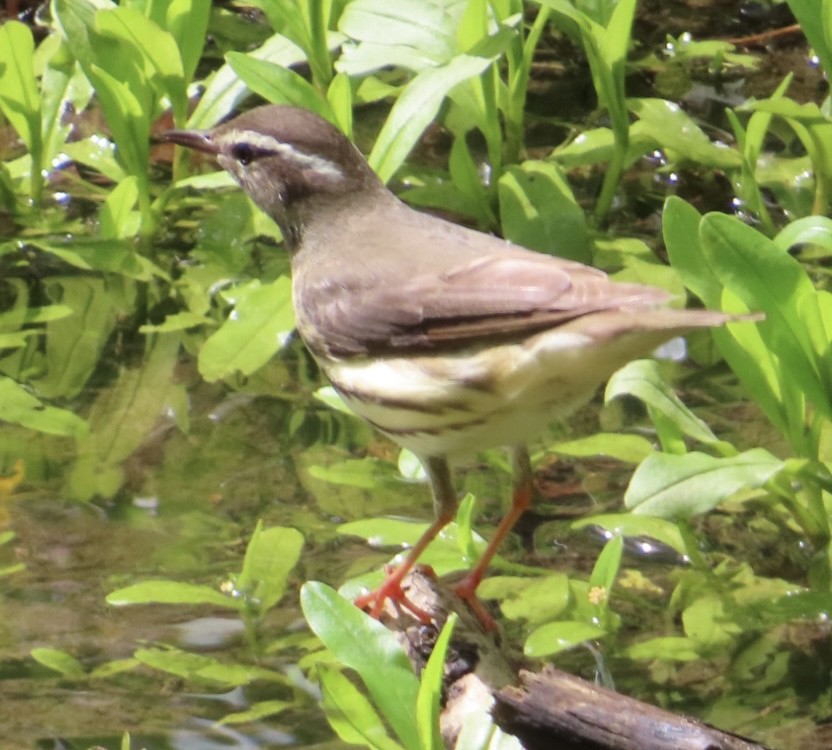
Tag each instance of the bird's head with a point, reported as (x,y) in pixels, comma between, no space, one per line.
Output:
(283,156)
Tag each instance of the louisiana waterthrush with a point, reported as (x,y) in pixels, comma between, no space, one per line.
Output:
(445,339)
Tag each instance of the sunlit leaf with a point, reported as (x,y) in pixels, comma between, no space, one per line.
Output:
(258,327)
(555,637)
(170,592)
(18,406)
(538,211)
(59,661)
(673,486)
(349,712)
(642,379)
(431,689)
(416,108)
(366,646)
(204,669)
(628,448)
(270,557)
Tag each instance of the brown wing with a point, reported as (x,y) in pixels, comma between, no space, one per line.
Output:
(455,287)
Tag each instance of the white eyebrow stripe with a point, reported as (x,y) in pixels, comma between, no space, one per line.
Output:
(270,143)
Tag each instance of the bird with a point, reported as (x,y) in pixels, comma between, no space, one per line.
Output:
(446,339)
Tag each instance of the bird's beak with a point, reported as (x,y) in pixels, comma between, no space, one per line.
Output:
(198,140)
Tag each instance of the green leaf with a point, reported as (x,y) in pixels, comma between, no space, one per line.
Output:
(121,417)
(19,99)
(258,327)
(672,486)
(538,211)
(368,473)
(606,567)
(270,557)
(810,230)
(535,600)
(767,279)
(416,108)
(59,661)
(224,89)
(642,379)
(159,53)
(350,714)
(117,220)
(129,123)
(431,689)
(279,84)
(670,127)
(629,448)
(366,646)
(18,406)
(260,710)
(187,21)
(170,592)
(204,669)
(670,648)
(414,34)
(560,636)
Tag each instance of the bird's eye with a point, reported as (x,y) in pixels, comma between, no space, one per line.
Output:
(243,153)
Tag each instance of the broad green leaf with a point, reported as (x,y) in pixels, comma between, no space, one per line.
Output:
(629,448)
(418,106)
(672,128)
(673,486)
(670,648)
(538,211)
(129,123)
(810,230)
(328,395)
(204,669)
(270,557)
(278,84)
(797,605)
(642,379)
(349,712)
(813,17)
(767,279)
(160,58)
(366,646)
(707,624)
(121,417)
(606,567)
(117,220)
(535,600)
(170,592)
(742,345)
(18,406)
(560,636)
(116,256)
(415,34)
(59,661)
(187,22)
(224,89)
(257,328)
(369,473)
(19,99)
(588,147)
(260,710)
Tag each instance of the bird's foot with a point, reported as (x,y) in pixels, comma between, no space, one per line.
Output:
(391,590)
